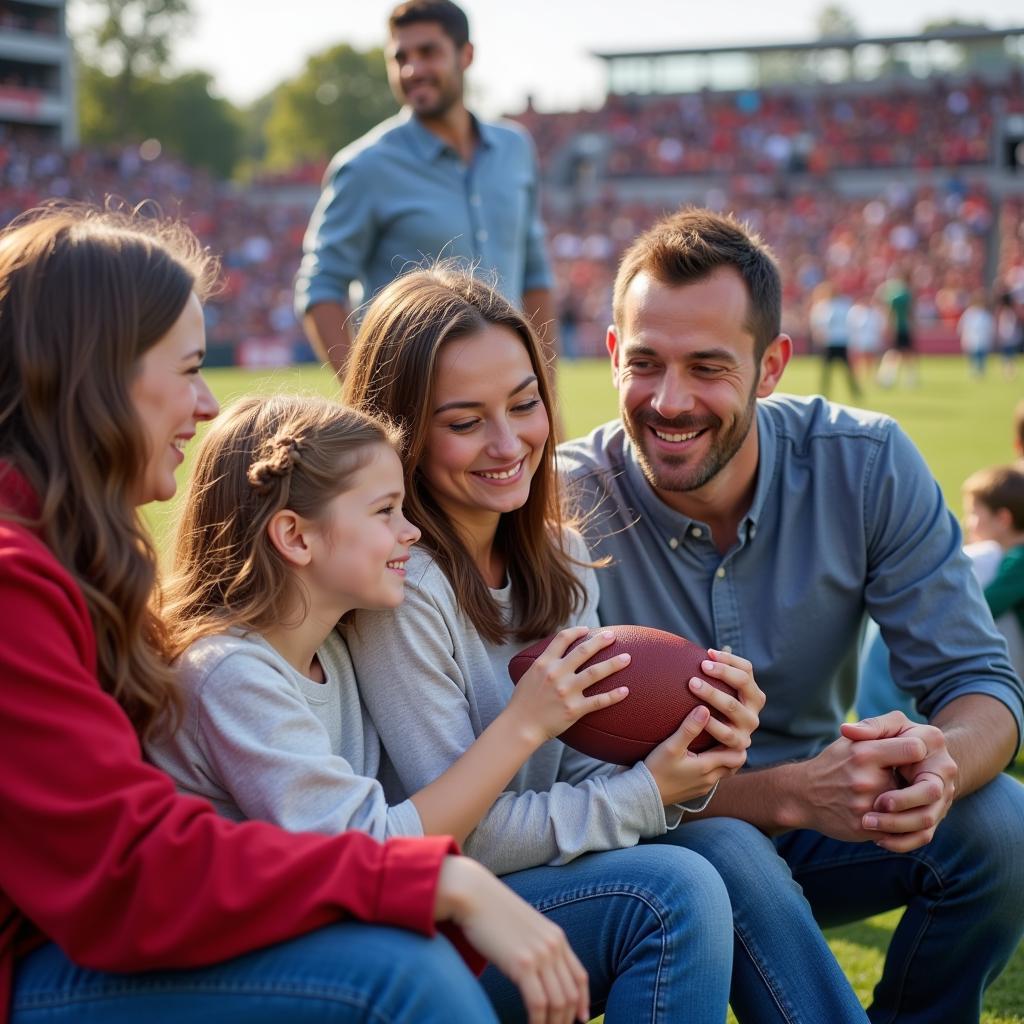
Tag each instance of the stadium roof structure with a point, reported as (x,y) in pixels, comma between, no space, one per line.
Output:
(964,34)
(827,59)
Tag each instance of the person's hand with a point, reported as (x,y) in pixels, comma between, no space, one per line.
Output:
(835,791)
(523,944)
(549,696)
(920,792)
(740,710)
(682,775)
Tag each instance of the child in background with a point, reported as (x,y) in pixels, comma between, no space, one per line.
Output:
(293,519)
(994,511)
(994,535)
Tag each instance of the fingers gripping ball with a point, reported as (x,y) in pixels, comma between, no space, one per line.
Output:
(658,675)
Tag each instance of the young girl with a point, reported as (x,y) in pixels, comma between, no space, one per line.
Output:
(293,520)
(459,369)
(119,899)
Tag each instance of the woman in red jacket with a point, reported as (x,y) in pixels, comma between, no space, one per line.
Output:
(119,899)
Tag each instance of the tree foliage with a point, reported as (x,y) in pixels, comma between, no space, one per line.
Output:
(180,113)
(132,39)
(836,22)
(339,95)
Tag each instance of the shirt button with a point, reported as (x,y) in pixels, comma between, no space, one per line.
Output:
(752,530)
(720,572)
(673,543)
(726,648)
(696,532)
(481,236)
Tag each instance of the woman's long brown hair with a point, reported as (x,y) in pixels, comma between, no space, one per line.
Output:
(391,371)
(84,293)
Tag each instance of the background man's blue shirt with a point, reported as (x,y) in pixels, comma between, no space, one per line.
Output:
(846,519)
(400,197)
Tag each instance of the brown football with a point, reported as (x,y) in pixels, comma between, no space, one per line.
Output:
(659,695)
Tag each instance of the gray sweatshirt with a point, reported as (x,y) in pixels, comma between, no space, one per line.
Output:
(432,685)
(260,740)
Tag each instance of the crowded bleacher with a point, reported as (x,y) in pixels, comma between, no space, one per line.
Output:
(848,184)
(940,124)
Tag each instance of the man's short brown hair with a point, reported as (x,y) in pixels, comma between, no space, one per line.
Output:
(688,246)
(449,16)
(999,487)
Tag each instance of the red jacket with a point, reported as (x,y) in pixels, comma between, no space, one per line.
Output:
(100,854)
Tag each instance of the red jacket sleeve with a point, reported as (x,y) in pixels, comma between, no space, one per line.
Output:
(104,857)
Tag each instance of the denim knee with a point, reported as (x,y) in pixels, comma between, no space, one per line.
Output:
(680,880)
(743,856)
(652,925)
(981,841)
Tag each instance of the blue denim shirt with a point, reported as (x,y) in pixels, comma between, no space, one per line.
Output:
(400,197)
(846,519)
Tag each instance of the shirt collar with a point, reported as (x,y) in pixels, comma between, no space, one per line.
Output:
(767,450)
(673,524)
(430,146)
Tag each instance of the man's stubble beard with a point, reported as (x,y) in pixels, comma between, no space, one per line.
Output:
(722,450)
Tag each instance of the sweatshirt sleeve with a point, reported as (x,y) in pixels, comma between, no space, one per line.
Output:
(1006,591)
(427,715)
(106,859)
(265,746)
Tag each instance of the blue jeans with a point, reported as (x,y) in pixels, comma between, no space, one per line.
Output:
(345,973)
(783,969)
(964,894)
(651,925)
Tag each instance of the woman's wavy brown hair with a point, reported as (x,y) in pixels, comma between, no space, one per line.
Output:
(391,372)
(262,455)
(84,293)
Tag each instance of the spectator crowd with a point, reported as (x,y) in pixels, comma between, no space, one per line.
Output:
(938,235)
(937,124)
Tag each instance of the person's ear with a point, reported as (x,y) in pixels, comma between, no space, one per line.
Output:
(287,531)
(774,361)
(466,56)
(1004,517)
(611,342)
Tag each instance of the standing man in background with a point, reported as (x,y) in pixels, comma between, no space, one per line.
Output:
(432,182)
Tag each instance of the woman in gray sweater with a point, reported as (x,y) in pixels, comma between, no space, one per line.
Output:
(459,369)
(497,567)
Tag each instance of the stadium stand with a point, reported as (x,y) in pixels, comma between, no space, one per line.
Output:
(37,96)
(850,182)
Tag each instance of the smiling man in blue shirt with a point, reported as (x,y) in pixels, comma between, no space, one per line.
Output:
(432,182)
(770,525)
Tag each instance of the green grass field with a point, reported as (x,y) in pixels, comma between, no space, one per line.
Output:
(959,424)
